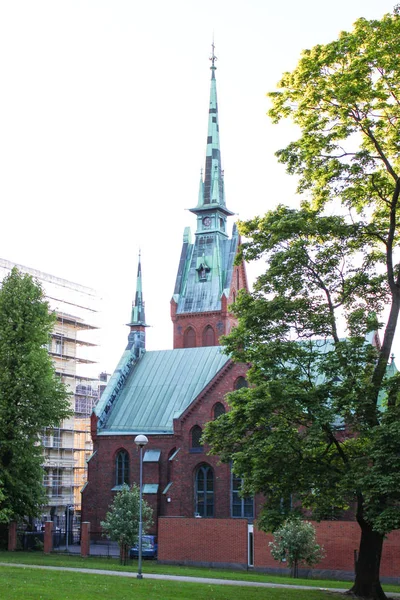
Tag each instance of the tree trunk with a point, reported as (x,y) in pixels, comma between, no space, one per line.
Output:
(367,583)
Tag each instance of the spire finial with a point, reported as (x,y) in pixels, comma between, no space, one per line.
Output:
(213,58)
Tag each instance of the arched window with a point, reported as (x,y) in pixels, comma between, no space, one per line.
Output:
(240,382)
(195,439)
(237,279)
(189,338)
(219,409)
(208,336)
(204,491)
(122,468)
(242,506)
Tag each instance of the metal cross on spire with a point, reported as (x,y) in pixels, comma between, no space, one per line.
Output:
(213,58)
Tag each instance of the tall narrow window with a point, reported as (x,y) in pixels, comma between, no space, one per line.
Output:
(240,382)
(195,439)
(56,483)
(189,338)
(208,336)
(219,409)
(122,468)
(204,491)
(241,506)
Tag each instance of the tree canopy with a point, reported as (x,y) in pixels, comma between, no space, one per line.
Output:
(319,427)
(31,396)
(295,543)
(122,519)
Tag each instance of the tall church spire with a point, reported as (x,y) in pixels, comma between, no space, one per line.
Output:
(208,279)
(212,194)
(137,323)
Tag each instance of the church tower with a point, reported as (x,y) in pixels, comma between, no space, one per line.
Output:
(207,280)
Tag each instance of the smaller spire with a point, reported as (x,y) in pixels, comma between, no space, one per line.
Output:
(137,337)
(137,317)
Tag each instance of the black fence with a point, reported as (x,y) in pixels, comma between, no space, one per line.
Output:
(62,540)
(102,546)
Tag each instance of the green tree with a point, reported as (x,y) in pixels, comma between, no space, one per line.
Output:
(122,520)
(295,543)
(31,396)
(321,419)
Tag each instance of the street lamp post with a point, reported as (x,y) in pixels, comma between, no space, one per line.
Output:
(140,441)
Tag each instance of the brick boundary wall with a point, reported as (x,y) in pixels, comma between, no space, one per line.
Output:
(223,542)
(340,540)
(205,542)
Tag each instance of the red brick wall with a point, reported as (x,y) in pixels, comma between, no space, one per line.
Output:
(97,495)
(339,540)
(203,540)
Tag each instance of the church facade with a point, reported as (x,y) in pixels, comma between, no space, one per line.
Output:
(169,395)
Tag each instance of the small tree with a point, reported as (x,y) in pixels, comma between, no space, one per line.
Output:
(122,520)
(295,543)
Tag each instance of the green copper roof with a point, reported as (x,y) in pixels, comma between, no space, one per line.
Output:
(201,291)
(159,387)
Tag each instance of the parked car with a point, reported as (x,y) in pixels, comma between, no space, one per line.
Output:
(149,547)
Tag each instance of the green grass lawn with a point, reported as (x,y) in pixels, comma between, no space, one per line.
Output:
(35,584)
(150,566)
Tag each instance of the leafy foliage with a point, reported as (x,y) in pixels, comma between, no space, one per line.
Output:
(122,520)
(295,543)
(320,423)
(31,396)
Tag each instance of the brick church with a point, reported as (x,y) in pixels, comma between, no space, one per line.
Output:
(169,395)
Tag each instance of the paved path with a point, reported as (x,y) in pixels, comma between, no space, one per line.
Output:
(206,580)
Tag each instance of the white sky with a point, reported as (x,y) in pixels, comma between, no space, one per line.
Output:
(103,124)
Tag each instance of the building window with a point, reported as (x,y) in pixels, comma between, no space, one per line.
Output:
(189,338)
(237,279)
(240,382)
(56,438)
(208,336)
(122,468)
(241,506)
(195,439)
(56,483)
(59,346)
(204,492)
(219,409)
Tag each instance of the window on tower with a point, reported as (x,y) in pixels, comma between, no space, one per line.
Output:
(189,338)
(208,336)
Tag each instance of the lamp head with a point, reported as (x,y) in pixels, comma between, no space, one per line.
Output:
(141,440)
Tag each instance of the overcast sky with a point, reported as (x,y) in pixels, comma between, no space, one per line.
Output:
(103,123)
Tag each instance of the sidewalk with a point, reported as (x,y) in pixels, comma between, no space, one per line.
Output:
(204,580)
